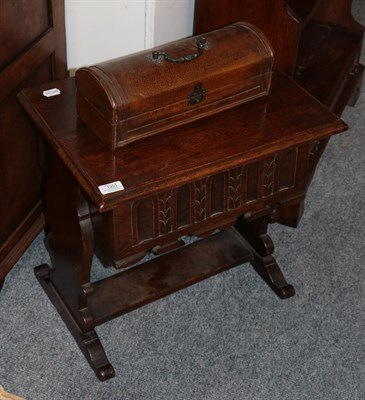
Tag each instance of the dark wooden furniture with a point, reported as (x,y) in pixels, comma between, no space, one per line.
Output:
(32,42)
(316,41)
(236,171)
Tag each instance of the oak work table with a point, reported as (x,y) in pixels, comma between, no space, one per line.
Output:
(223,178)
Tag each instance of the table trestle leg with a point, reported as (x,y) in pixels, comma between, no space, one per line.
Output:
(255,233)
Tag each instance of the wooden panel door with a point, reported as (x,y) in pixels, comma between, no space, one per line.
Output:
(33,51)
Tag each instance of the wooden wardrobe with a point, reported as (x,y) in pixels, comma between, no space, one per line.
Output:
(317,42)
(33,51)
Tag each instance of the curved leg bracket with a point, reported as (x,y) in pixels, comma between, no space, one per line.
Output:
(262,247)
(88,342)
(270,272)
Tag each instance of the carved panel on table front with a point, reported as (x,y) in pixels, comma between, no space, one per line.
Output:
(165,212)
(228,191)
(269,176)
(235,192)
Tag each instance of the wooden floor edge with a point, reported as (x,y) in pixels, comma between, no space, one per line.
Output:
(8,396)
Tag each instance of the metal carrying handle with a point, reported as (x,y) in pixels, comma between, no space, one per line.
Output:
(201,45)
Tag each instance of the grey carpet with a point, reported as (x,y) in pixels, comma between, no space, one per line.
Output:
(228,337)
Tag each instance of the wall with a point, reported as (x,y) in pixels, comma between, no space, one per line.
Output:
(173,20)
(98,30)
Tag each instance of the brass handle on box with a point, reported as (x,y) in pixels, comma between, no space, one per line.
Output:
(201,45)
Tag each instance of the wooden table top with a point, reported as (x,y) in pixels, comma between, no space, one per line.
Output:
(286,118)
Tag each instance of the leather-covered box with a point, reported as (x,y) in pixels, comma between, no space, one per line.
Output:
(134,96)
